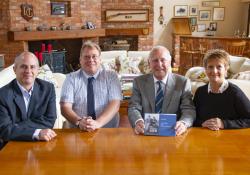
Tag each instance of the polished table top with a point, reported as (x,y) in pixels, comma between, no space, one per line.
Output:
(120,151)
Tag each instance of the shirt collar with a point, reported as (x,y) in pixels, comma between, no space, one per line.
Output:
(222,88)
(88,76)
(164,80)
(23,90)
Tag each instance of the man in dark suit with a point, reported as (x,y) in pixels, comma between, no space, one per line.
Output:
(161,92)
(27,104)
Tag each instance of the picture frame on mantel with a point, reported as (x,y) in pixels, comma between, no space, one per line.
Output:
(201,28)
(180,10)
(219,13)
(127,15)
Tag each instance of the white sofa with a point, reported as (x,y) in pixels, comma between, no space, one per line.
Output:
(7,74)
(239,74)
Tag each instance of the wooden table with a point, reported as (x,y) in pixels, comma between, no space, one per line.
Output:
(119,151)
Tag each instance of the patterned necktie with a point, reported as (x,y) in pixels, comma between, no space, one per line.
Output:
(91,99)
(159,98)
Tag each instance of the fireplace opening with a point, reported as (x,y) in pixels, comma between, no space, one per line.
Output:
(71,48)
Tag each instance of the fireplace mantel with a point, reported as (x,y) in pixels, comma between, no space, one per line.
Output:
(71,34)
(51,35)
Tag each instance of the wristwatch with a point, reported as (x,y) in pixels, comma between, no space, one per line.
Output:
(78,122)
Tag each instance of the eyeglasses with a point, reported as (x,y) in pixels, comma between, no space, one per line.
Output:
(88,57)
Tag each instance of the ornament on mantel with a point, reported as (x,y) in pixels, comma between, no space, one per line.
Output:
(27,11)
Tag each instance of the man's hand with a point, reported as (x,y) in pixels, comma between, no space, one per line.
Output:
(88,124)
(180,128)
(139,127)
(214,124)
(47,135)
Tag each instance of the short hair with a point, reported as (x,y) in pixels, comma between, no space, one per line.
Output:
(159,47)
(22,55)
(91,45)
(217,54)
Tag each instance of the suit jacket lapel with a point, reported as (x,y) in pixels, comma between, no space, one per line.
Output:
(169,89)
(18,98)
(150,91)
(33,99)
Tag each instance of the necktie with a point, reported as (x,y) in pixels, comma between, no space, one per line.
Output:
(159,98)
(90,98)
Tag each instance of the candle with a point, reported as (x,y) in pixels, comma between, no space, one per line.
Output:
(40,58)
(49,48)
(43,47)
(36,53)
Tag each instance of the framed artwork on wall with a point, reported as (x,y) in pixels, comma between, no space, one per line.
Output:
(210,3)
(58,8)
(180,10)
(219,13)
(201,27)
(121,15)
(193,21)
(193,10)
(204,15)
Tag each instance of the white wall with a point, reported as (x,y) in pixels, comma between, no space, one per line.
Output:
(235,18)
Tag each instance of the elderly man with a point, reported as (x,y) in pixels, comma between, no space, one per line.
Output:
(161,92)
(90,97)
(27,104)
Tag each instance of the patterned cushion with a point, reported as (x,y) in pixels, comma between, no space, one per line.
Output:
(144,66)
(46,74)
(111,64)
(130,65)
(199,76)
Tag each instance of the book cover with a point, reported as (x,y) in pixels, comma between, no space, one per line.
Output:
(160,124)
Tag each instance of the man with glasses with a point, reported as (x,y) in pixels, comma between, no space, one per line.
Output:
(161,92)
(90,97)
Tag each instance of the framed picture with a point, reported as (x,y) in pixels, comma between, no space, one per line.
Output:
(58,8)
(213,26)
(193,10)
(201,27)
(180,10)
(210,3)
(219,13)
(204,15)
(122,15)
(193,21)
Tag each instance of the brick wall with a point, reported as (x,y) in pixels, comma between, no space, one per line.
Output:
(81,12)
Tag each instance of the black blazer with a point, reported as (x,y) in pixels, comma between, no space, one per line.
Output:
(15,123)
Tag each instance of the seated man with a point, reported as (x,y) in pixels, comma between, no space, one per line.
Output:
(161,92)
(27,104)
(90,97)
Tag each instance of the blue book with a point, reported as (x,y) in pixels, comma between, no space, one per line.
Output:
(160,124)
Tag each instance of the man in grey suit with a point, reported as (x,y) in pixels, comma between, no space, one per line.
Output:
(176,94)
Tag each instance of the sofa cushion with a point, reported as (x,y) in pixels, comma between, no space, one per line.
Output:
(199,76)
(113,54)
(245,66)
(235,64)
(111,64)
(242,76)
(7,75)
(130,65)
(46,74)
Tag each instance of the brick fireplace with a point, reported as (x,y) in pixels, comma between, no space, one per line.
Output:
(81,11)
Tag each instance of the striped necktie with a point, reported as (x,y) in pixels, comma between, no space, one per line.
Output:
(90,98)
(159,98)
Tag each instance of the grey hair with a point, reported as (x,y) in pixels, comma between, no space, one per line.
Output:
(159,47)
(90,44)
(24,54)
